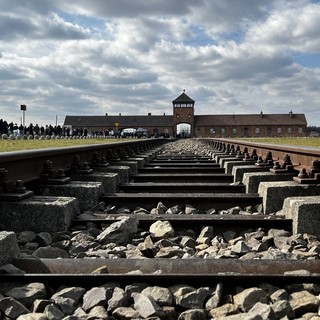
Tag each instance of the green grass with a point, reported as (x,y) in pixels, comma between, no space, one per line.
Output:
(18,145)
(302,142)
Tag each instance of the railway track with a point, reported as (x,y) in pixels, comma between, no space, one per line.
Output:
(180,222)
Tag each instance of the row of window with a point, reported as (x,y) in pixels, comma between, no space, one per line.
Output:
(256,130)
(183,105)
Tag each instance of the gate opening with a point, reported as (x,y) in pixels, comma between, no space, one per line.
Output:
(184,130)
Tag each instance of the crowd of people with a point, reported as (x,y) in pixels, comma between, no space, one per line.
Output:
(49,130)
(13,128)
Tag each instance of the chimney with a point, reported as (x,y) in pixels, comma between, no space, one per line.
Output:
(149,113)
(291,114)
(106,114)
(164,114)
(120,114)
(261,114)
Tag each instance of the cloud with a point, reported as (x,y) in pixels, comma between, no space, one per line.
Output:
(130,9)
(225,17)
(37,27)
(295,29)
(68,58)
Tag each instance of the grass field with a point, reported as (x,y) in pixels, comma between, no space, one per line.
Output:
(18,145)
(303,142)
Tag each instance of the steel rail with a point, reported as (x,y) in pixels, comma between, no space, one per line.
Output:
(27,165)
(301,157)
(196,272)
(230,281)
(232,272)
(167,266)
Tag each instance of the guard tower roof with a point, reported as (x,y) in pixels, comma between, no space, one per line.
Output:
(183,98)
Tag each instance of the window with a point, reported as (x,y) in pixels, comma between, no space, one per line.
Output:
(289,130)
(278,130)
(223,130)
(234,130)
(212,131)
(300,130)
(257,130)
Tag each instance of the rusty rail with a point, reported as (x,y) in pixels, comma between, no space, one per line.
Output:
(301,157)
(197,272)
(28,165)
(232,273)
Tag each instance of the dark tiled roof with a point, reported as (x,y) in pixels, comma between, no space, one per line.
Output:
(124,121)
(250,119)
(183,98)
(199,120)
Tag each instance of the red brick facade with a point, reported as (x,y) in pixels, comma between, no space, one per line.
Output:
(199,126)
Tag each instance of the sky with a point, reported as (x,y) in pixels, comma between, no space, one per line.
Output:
(134,57)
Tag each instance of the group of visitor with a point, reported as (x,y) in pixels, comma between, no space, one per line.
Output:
(66,131)
(13,128)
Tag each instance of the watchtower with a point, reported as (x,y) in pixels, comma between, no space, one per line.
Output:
(183,116)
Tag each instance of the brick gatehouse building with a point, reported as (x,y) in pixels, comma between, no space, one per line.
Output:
(184,123)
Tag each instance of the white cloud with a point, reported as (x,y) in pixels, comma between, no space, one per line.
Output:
(68,58)
(295,29)
(129,9)
(230,16)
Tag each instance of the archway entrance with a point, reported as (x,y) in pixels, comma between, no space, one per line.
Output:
(183,130)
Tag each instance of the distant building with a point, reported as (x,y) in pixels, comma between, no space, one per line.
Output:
(184,123)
